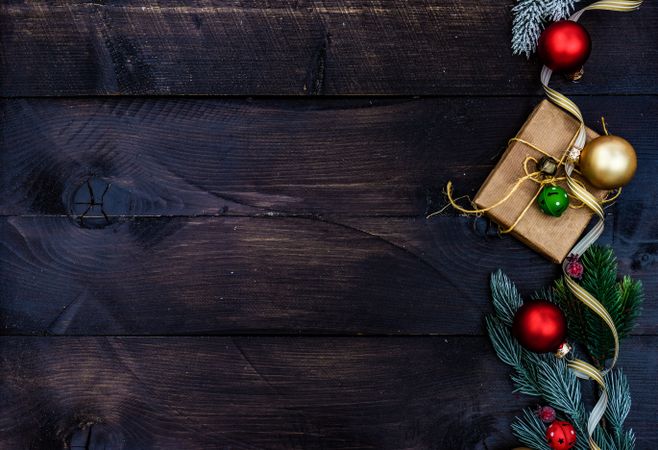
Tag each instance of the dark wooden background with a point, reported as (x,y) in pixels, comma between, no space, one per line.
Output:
(212,220)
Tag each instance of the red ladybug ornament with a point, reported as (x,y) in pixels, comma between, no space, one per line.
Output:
(564,46)
(561,435)
(539,326)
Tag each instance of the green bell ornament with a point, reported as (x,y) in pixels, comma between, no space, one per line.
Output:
(553,200)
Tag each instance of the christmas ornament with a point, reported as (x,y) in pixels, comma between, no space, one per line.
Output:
(547,166)
(564,46)
(546,414)
(608,162)
(574,268)
(561,435)
(563,350)
(553,200)
(539,326)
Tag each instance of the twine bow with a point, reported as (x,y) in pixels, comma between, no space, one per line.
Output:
(536,176)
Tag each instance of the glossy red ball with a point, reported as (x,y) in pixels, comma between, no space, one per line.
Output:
(564,46)
(539,326)
(561,435)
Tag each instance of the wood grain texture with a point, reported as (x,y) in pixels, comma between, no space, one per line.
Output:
(222,275)
(331,157)
(299,48)
(281,217)
(243,275)
(190,393)
(274,216)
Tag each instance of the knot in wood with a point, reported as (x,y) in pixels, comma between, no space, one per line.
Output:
(90,202)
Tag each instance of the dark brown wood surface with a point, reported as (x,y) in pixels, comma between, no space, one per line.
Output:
(299,47)
(184,272)
(273,392)
(329,157)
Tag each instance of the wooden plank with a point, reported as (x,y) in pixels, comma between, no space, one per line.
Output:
(305,47)
(189,393)
(331,157)
(636,239)
(241,274)
(223,275)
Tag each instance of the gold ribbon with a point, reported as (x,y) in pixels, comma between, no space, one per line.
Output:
(581,368)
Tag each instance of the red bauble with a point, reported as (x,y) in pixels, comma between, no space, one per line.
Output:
(561,435)
(539,326)
(564,46)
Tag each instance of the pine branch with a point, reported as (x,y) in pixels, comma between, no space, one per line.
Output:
(510,352)
(619,405)
(527,25)
(547,377)
(632,295)
(600,279)
(507,349)
(561,389)
(506,298)
(574,311)
(627,441)
(534,374)
(530,431)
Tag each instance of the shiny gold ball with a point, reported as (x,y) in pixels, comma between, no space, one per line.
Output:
(608,162)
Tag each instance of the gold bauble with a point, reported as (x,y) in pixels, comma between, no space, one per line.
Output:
(608,162)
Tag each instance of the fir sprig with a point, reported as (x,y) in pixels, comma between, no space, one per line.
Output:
(622,299)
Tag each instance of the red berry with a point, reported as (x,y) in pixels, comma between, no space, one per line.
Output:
(575,268)
(546,414)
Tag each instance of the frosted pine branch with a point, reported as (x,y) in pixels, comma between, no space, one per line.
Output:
(530,17)
(559,9)
(527,26)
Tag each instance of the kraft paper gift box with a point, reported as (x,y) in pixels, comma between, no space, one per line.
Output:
(551,129)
